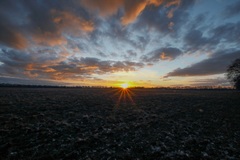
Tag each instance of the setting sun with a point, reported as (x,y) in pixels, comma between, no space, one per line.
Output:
(124,85)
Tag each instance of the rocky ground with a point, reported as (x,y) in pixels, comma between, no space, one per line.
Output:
(64,123)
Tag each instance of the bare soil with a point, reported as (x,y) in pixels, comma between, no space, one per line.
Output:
(87,123)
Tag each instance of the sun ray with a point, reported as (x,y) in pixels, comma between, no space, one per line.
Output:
(128,93)
(125,97)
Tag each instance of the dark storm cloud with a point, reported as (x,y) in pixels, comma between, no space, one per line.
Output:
(216,64)
(162,54)
(232,10)
(57,65)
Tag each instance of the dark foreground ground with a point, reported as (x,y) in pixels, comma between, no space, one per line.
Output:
(98,124)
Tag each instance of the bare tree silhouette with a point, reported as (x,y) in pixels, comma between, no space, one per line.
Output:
(233,73)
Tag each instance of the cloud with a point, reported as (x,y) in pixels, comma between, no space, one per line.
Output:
(130,55)
(59,39)
(87,66)
(29,64)
(209,40)
(164,19)
(64,22)
(229,32)
(68,20)
(12,38)
(58,65)
(232,10)
(132,9)
(104,7)
(94,65)
(162,54)
(14,58)
(217,64)
(40,22)
(10,35)
(197,21)
(101,54)
(112,32)
(195,40)
(53,23)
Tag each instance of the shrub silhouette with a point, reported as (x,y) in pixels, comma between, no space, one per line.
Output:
(233,73)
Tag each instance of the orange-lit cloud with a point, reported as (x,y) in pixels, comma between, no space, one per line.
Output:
(68,20)
(170,13)
(132,9)
(164,56)
(20,41)
(59,66)
(49,38)
(12,38)
(172,3)
(29,67)
(64,22)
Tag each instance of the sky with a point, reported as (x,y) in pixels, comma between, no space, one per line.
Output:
(150,43)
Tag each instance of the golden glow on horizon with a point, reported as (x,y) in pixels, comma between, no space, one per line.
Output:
(124,85)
